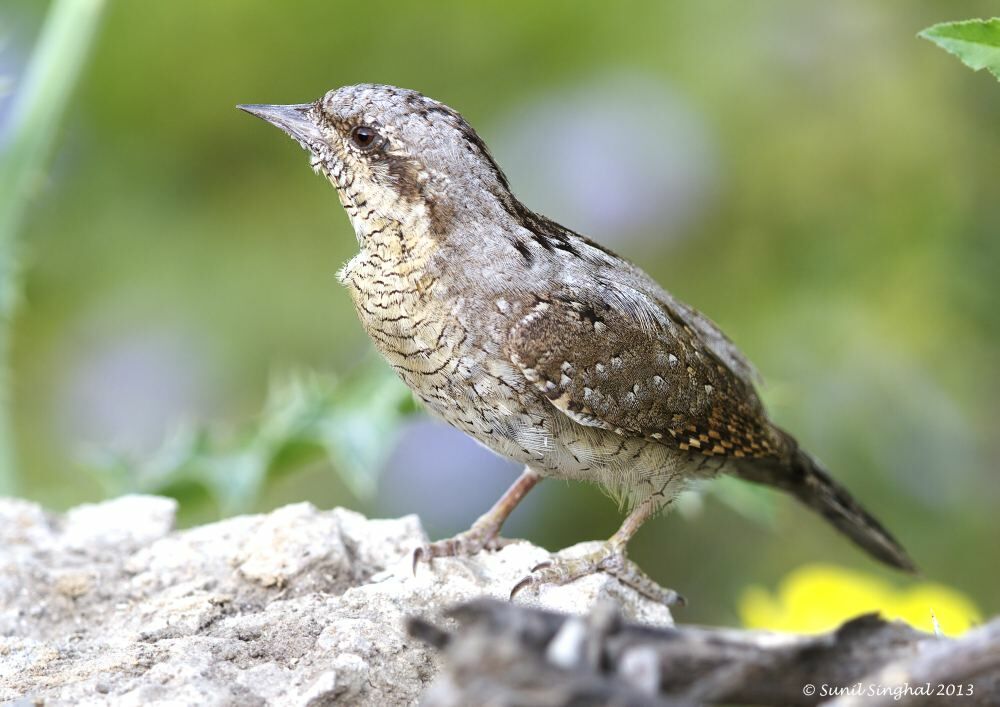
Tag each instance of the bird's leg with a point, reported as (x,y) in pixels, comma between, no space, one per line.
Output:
(485,532)
(610,558)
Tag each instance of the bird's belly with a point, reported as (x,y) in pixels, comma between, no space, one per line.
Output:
(504,413)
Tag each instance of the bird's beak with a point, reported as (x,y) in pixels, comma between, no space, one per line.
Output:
(293,119)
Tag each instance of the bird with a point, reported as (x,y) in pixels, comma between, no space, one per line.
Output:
(540,343)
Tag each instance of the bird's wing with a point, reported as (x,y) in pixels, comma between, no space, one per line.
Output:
(624,361)
(713,337)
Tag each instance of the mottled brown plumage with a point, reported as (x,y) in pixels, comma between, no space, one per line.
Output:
(606,368)
(538,342)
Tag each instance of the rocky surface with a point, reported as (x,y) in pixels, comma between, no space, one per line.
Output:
(108,605)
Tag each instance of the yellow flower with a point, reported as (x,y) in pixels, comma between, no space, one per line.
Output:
(817,598)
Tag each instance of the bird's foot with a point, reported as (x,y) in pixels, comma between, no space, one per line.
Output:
(608,559)
(481,536)
(485,532)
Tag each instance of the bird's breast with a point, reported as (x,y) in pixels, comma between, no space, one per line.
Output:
(395,302)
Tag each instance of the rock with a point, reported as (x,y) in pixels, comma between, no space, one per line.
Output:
(107,605)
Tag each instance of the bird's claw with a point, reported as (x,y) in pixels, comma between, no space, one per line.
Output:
(418,554)
(465,544)
(608,560)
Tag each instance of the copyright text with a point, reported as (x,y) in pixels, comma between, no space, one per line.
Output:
(896,692)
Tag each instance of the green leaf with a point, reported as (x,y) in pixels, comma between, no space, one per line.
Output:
(352,424)
(975,42)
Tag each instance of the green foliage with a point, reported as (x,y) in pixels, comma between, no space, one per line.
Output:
(352,424)
(975,42)
(755,503)
(35,117)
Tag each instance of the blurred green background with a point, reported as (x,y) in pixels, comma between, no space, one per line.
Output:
(811,175)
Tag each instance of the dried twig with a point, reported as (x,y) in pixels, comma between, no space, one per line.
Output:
(504,654)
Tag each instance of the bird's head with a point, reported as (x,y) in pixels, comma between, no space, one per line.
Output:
(393,155)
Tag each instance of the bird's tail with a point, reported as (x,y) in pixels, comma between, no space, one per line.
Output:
(801,475)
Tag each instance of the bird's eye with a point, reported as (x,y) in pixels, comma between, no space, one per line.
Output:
(365,137)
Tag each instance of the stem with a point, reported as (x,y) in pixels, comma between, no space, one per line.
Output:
(39,103)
